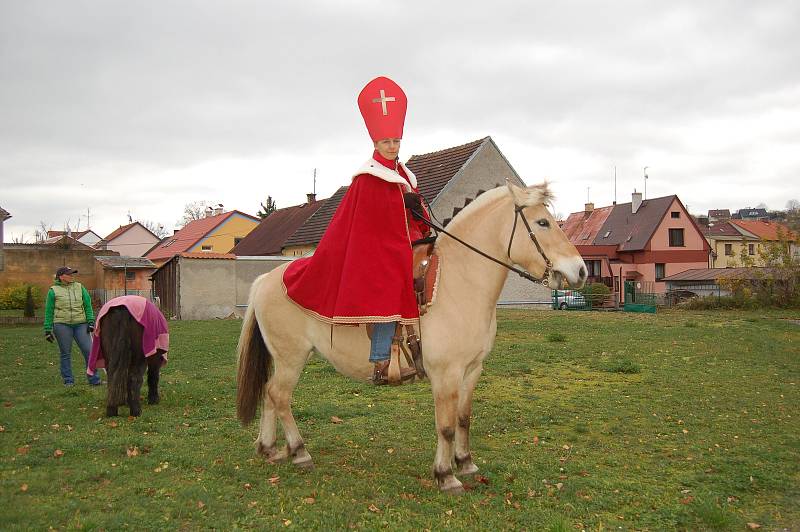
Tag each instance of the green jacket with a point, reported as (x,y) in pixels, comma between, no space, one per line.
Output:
(67,303)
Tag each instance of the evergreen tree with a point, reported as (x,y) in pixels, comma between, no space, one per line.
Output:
(267,209)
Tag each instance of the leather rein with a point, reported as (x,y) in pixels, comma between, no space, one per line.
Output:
(544,281)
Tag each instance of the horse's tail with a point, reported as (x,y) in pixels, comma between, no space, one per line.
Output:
(255,365)
(116,331)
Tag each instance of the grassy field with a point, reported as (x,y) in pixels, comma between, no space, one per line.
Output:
(680,420)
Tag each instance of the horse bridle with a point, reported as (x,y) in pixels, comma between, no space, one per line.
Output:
(544,281)
(518,214)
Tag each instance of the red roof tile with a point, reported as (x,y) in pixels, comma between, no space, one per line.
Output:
(314,227)
(765,230)
(190,235)
(274,230)
(721,229)
(582,228)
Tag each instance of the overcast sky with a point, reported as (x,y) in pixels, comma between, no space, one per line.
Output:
(142,107)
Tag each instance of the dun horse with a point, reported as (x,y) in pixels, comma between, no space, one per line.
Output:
(458,331)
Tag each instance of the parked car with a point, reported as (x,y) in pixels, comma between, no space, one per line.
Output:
(564,299)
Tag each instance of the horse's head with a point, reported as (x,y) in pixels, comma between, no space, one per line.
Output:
(546,241)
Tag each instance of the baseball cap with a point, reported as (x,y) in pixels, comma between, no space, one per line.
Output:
(65,270)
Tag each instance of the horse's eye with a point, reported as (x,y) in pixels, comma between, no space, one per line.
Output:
(543,223)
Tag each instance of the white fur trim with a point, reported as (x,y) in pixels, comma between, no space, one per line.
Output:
(373,167)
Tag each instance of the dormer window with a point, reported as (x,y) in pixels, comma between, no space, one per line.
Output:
(608,234)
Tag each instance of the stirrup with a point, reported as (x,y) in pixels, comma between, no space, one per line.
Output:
(380,374)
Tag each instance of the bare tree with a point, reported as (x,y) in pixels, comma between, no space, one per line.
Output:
(18,239)
(194,210)
(792,205)
(154,227)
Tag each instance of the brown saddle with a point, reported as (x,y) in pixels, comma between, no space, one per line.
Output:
(426,275)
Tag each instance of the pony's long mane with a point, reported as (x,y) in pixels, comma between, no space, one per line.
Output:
(533,195)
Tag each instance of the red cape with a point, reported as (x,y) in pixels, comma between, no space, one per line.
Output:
(361,269)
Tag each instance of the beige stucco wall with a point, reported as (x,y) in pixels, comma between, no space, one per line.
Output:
(247,270)
(224,237)
(219,288)
(134,242)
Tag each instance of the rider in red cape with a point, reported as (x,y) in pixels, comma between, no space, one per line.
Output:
(361,271)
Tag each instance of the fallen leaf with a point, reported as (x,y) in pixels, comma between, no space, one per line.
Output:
(2,428)
(132,451)
(252,504)
(24,487)
(24,449)
(336,419)
(201,504)
(449,512)
(560,485)
(685,431)
(753,526)
(287,522)
(566,447)
(373,508)
(58,453)
(390,450)
(687,500)
(274,480)
(247,486)
(536,440)
(113,424)
(481,479)
(309,500)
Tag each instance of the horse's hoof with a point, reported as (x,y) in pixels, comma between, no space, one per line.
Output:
(278,456)
(452,488)
(307,464)
(153,400)
(468,469)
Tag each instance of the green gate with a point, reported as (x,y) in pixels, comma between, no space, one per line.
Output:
(639,297)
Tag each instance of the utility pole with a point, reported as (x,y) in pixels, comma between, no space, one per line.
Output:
(615,184)
(645,181)
(314,187)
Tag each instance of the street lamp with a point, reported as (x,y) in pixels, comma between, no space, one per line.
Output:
(645,181)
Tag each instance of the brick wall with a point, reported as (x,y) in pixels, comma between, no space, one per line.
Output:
(36,264)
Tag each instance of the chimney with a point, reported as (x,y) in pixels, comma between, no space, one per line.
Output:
(311,197)
(218,209)
(636,201)
(209,212)
(588,208)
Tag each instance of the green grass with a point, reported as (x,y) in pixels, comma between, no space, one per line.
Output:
(703,435)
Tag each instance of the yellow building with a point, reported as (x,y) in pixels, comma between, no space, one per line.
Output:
(216,233)
(730,241)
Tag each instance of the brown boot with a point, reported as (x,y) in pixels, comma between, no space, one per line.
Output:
(380,374)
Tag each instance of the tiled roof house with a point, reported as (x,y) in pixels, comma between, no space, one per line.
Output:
(4,215)
(272,233)
(643,240)
(131,240)
(213,234)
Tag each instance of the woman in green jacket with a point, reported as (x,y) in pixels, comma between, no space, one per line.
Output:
(68,316)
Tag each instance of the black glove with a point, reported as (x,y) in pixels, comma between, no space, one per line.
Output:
(412,201)
(90,328)
(48,335)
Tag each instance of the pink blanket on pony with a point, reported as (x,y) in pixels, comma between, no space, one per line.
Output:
(155,338)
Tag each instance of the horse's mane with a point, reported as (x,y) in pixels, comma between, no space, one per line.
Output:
(534,195)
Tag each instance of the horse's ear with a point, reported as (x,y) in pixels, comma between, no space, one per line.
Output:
(517,193)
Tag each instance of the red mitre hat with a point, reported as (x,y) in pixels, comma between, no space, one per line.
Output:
(383,105)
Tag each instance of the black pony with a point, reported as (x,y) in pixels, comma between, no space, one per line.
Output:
(121,339)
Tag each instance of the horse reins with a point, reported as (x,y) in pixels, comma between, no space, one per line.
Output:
(544,281)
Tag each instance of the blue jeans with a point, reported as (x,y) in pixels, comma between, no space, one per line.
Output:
(64,334)
(381,341)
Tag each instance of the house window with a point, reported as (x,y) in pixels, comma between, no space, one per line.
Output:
(660,267)
(729,250)
(130,275)
(751,249)
(593,268)
(675,214)
(205,248)
(676,238)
